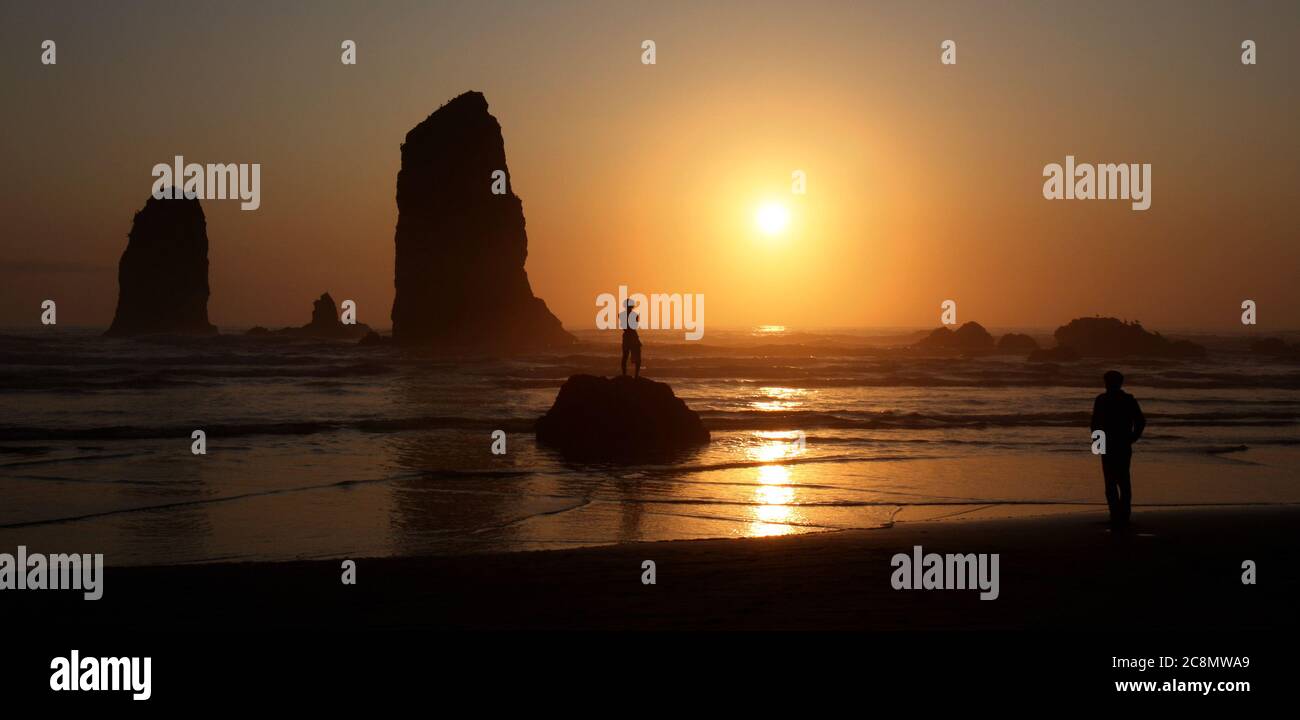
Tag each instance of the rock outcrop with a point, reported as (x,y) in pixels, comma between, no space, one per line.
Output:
(325,324)
(162,279)
(1110,337)
(1274,347)
(1017,344)
(619,419)
(969,338)
(459,276)
(374,339)
(325,315)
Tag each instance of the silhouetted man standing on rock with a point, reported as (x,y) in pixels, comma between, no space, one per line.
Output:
(629,321)
(1117,414)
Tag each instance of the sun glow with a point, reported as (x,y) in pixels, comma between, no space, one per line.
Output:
(772,218)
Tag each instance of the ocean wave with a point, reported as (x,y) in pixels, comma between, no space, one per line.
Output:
(851,420)
(86,379)
(11,433)
(714,421)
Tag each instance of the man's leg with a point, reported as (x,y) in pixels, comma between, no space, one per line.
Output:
(1124,481)
(636,358)
(624,361)
(1111,475)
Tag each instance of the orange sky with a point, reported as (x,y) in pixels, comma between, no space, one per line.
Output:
(924,181)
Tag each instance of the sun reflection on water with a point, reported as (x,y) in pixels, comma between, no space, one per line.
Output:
(775,491)
(779,398)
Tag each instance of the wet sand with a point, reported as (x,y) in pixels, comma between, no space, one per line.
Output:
(1171,570)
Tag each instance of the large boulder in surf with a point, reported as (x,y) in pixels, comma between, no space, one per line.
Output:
(162,279)
(619,419)
(459,272)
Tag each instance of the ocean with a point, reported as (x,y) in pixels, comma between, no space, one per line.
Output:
(318,449)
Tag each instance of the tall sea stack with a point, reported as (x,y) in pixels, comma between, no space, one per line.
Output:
(460,279)
(162,279)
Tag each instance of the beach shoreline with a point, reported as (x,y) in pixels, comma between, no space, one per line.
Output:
(1173,569)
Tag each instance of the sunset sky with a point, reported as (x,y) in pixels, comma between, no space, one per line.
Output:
(924,180)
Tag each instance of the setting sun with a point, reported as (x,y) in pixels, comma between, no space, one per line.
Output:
(772,218)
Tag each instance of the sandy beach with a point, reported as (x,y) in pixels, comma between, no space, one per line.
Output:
(1173,569)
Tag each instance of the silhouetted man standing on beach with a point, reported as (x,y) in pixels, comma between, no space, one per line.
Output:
(1117,414)
(629,320)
